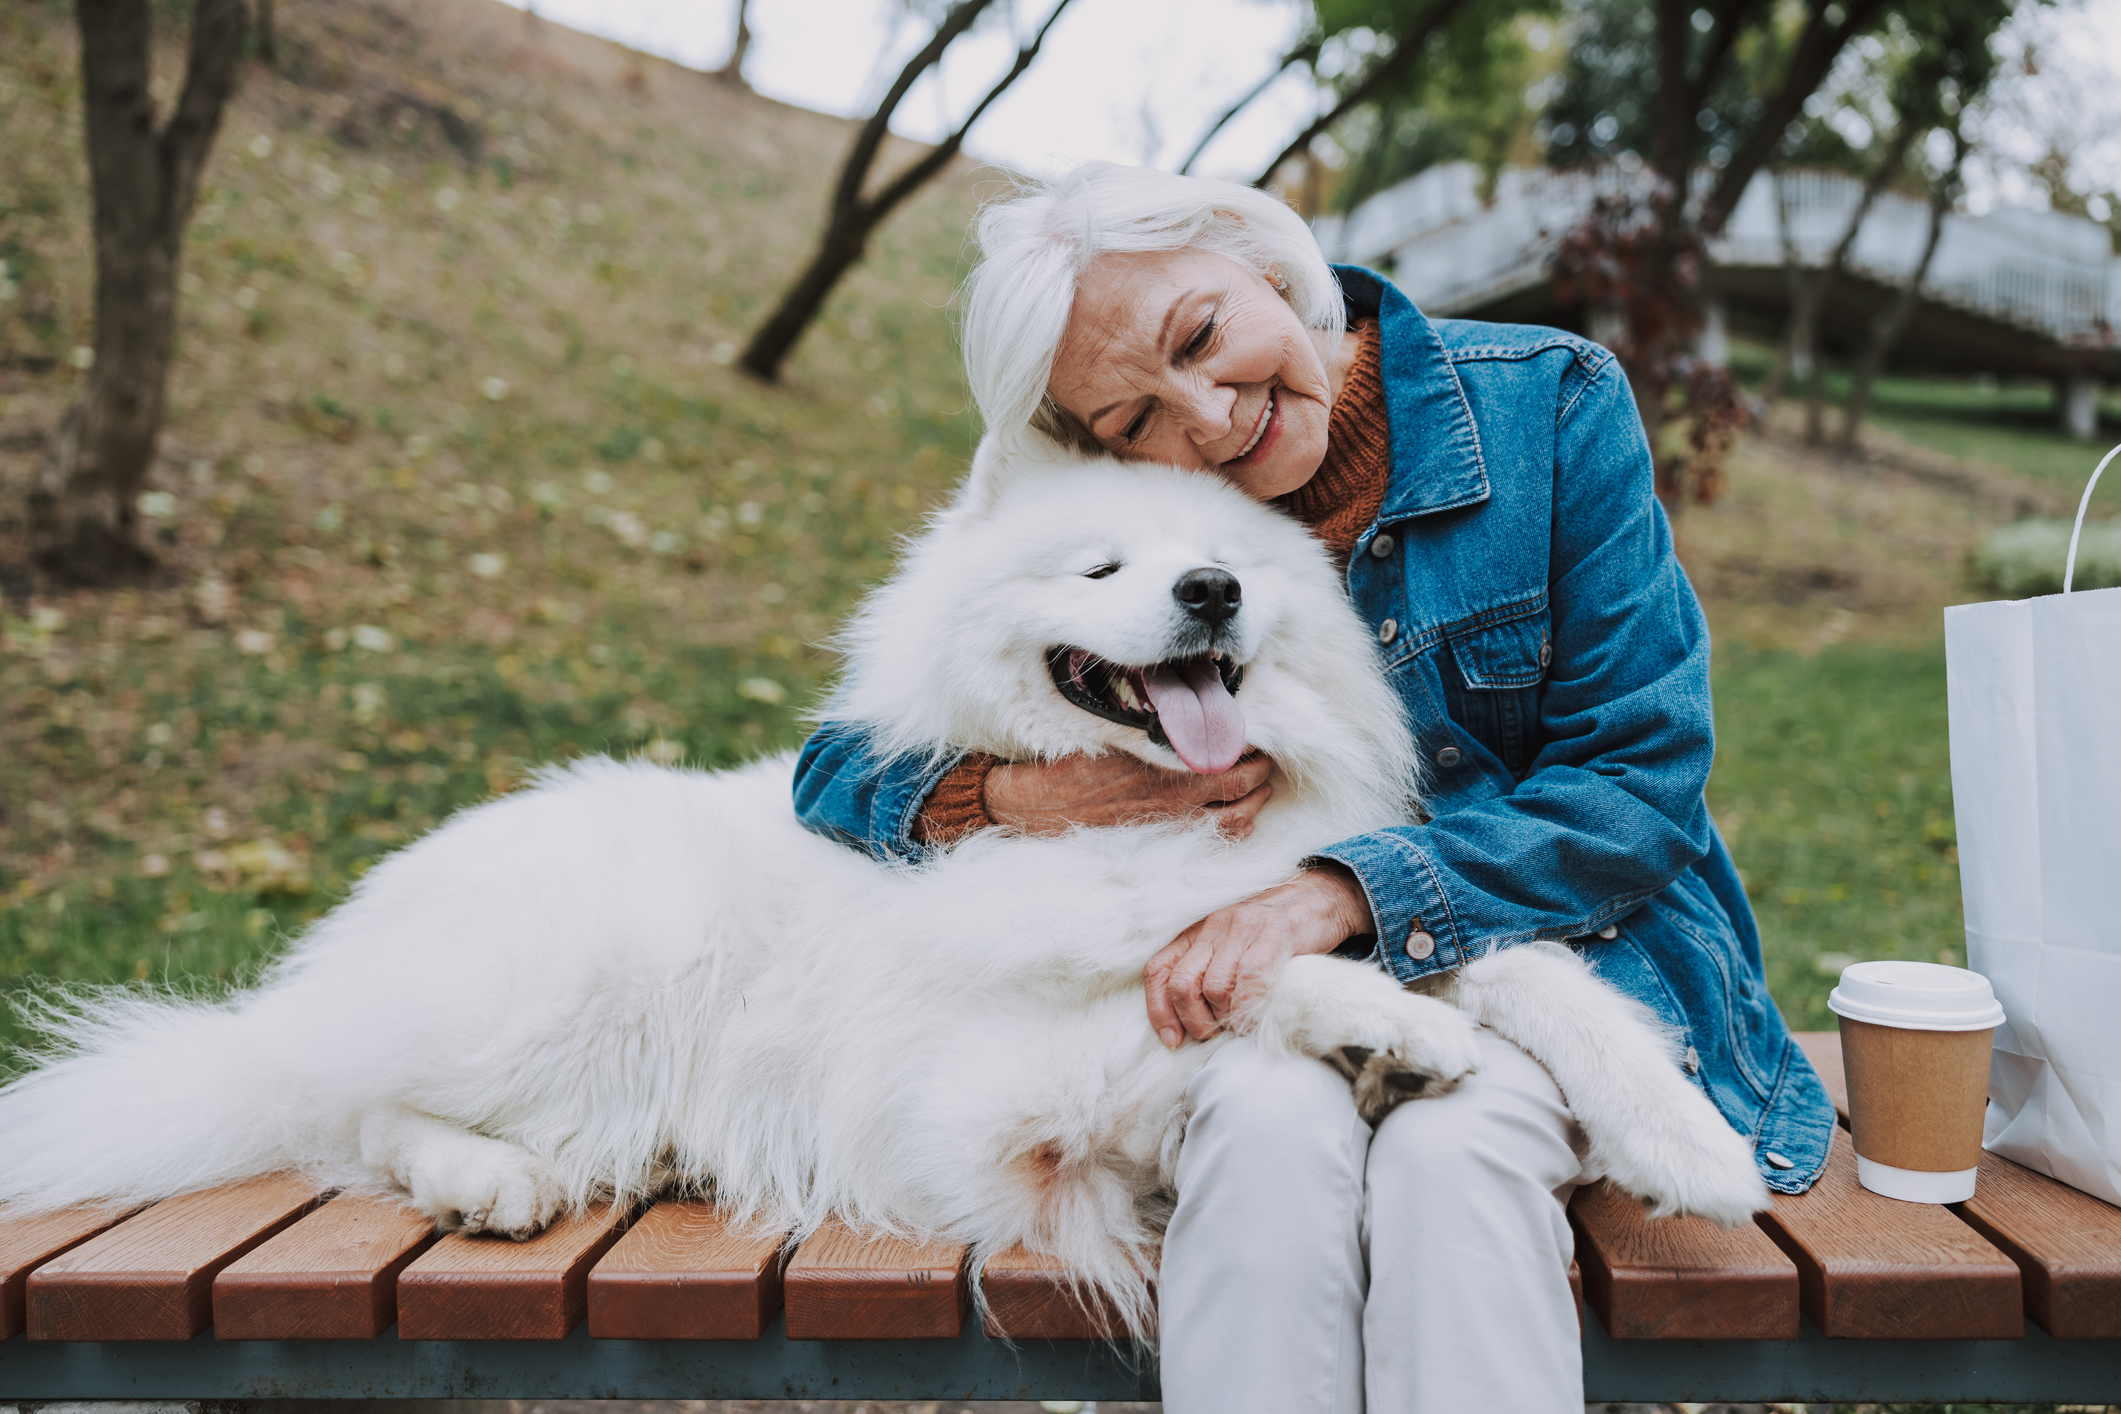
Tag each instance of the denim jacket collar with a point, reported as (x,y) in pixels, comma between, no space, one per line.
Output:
(1433,436)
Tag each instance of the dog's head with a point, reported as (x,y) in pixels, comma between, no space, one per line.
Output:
(1063,605)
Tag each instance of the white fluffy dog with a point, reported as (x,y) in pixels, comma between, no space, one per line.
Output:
(630,978)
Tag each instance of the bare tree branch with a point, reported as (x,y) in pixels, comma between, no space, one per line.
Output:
(911,179)
(847,198)
(1410,48)
(1818,47)
(1302,54)
(854,216)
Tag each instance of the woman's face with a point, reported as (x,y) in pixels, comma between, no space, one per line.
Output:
(1189,358)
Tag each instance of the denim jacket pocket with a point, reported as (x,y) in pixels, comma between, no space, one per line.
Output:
(1494,694)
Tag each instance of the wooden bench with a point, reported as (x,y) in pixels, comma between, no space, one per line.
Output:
(271,1289)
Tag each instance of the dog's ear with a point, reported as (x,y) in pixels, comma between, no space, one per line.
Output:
(995,467)
(1002,463)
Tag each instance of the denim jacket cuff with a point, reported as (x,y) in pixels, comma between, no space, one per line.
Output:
(1417,933)
(899,798)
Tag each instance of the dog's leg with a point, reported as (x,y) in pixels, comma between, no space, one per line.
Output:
(462,1180)
(1392,1044)
(1649,1130)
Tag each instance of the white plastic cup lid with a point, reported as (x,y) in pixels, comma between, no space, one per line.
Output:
(1916,996)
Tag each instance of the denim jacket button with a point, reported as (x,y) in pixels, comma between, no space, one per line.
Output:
(1421,944)
(1450,756)
(1777,1161)
(1388,630)
(1546,651)
(1609,932)
(1382,547)
(1691,1061)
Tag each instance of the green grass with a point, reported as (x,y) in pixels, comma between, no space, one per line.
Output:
(1833,788)
(2007,423)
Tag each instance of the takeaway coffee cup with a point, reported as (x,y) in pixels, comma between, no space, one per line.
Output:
(1915,1039)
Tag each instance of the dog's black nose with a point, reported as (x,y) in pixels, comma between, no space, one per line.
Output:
(1211,595)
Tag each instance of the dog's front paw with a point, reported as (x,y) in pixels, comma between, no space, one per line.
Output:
(1421,1050)
(1697,1167)
(483,1185)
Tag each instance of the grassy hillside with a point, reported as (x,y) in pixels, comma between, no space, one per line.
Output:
(458,480)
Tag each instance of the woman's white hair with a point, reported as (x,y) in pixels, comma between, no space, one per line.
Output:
(1035,244)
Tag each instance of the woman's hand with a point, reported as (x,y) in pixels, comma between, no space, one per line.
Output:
(1218,966)
(1052,797)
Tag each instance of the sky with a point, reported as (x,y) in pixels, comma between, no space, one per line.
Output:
(1128,80)
(1140,80)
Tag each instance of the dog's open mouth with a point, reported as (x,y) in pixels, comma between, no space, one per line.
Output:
(1187,704)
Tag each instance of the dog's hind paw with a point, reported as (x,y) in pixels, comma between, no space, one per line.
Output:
(484,1185)
(1704,1169)
(1433,1050)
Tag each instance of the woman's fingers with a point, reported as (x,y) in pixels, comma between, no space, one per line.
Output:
(1237,817)
(1156,982)
(1228,958)
(1186,999)
(1248,775)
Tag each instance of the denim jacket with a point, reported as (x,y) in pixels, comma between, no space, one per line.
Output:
(1555,664)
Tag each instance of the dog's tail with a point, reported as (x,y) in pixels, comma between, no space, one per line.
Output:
(143,1095)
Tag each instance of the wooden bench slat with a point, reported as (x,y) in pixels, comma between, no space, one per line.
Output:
(1679,1278)
(2067,1246)
(152,1278)
(1027,1297)
(684,1272)
(331,1276)
(1823,1049)
(1877,1268)
(30,1240)
(489,1288)
(843,1285)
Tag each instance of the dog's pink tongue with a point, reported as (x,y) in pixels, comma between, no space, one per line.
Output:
(1198,713)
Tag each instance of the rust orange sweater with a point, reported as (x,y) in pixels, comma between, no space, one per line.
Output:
(1338,503)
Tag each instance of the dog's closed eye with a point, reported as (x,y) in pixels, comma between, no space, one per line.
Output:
(1102,571)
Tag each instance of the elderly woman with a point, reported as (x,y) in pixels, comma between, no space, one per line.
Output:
(1489,489)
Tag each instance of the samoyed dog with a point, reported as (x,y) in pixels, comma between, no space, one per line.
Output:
(630,979)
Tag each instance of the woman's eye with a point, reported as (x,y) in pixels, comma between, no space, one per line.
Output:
(1101,571)
(1200,340)
(1133,429)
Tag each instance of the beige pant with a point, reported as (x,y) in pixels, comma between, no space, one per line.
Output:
(1314,1265)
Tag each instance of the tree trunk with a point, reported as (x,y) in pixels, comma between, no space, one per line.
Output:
(733,71)
(268,38)
(1794,358)
(83,522)
(840,249)
(1886,332)
(1823,283)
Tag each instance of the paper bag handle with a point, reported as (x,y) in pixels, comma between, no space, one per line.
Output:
(2069,570)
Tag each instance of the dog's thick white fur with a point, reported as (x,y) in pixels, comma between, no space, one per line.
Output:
(629,977)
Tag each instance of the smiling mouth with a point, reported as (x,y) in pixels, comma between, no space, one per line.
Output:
(1259,430)
(1204,727)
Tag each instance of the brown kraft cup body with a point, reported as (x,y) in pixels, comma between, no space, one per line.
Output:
(1916,1098)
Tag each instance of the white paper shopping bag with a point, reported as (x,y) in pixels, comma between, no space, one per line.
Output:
(2035,699)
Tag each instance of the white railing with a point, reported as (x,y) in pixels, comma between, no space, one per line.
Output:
(1450,250)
